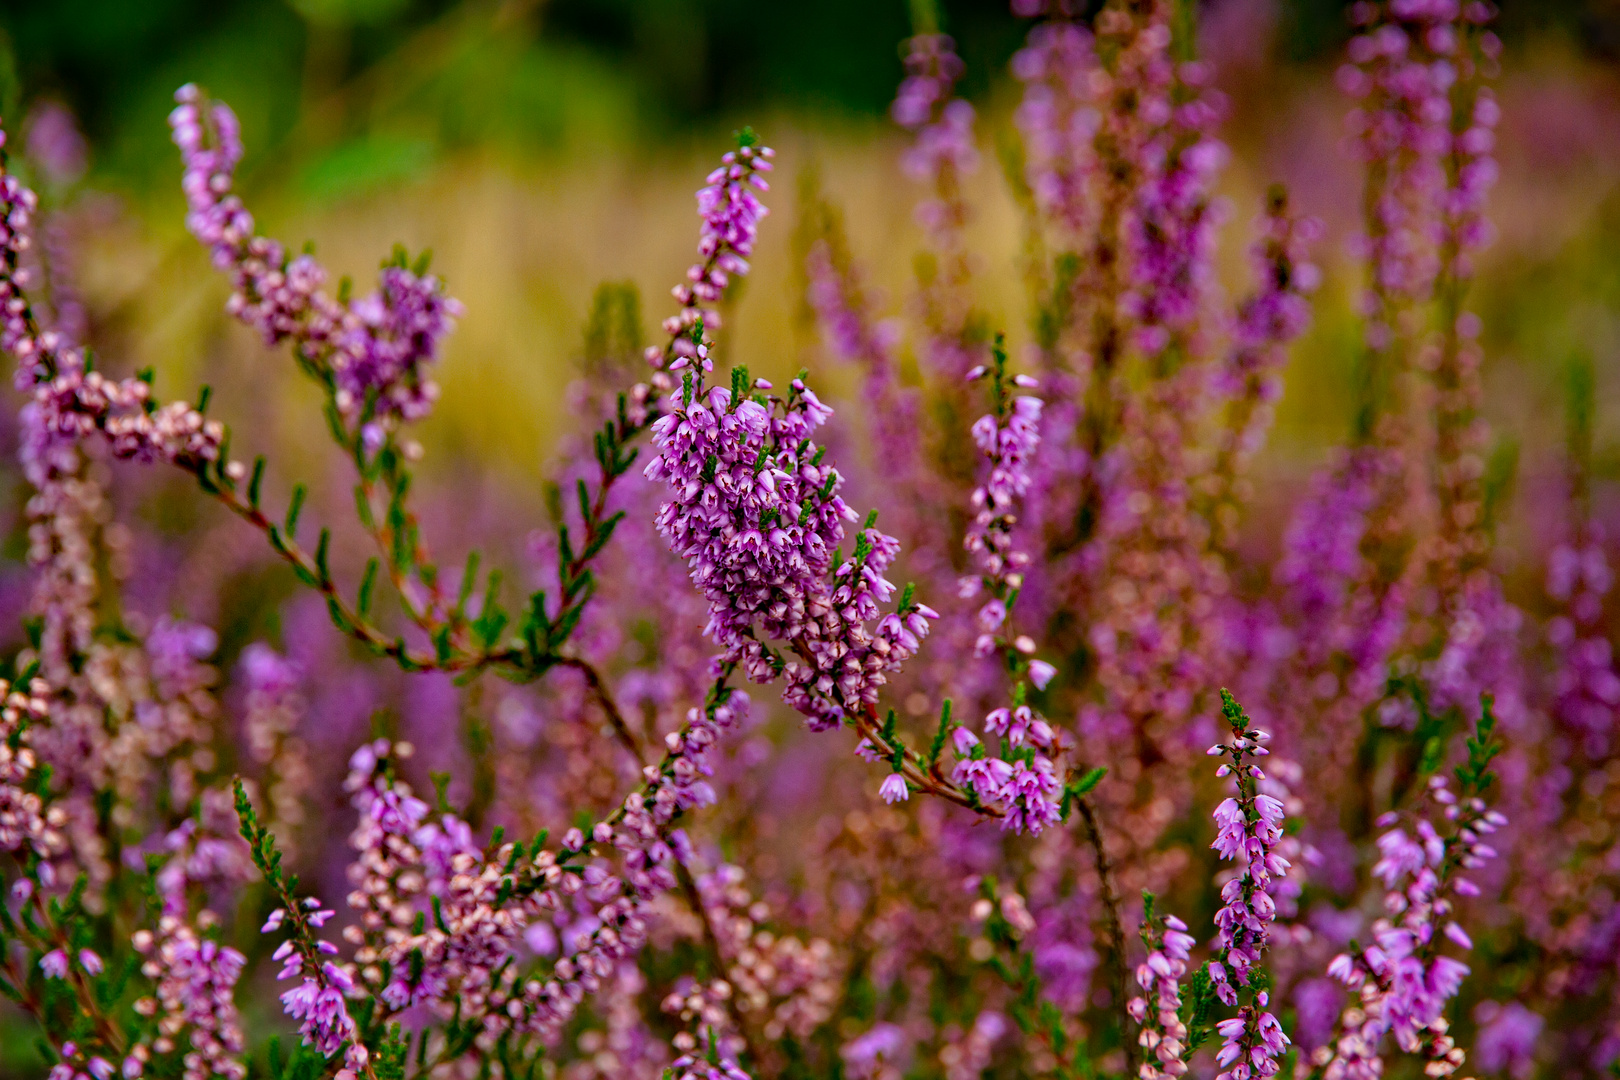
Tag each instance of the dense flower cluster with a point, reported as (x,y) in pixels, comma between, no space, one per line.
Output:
(195,988)
(757,516)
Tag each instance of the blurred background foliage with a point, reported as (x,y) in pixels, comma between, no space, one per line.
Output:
(524,70)
(541,146)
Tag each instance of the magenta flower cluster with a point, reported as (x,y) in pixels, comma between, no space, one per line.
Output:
(756,514)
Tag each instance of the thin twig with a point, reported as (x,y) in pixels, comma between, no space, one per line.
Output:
(1114,927)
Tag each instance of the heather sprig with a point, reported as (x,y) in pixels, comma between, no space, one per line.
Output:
(1053,117)
(1403,979)
(1249,830)
(731,213)
(1025,783)
(1008,437)
(1165,1033)
(1469,160)
(50,967)
(319,1001)
(754,510)
(370,353)
(442,916)
(284,299)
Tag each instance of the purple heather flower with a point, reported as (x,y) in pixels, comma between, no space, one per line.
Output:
(376,349)
(941,155)
(392,336)
(1030,796)
(884,1042)
(1041,673)
(894,789)
(757,517)
(1027,790)
(326,1023)
(1159,975)
(1402,135)
(730,212)
(194,985)
(1058,119)
(54,964)
(1172,231)
(1402,972)
(1008,439)
(70,402)
(1279,310)
(1585,684)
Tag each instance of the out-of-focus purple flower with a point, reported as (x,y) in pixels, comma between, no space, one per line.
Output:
(1585,684)
(1276,314)
(864,1055)
(1401,132)
(942,153)
(56,144)
(1317,1003)
(54,964)
(1058,119)
(1172,232)
(1507,1038)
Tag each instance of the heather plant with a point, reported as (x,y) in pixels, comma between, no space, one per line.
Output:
(999,853)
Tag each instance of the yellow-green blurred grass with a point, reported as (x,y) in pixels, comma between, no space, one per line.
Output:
(523,242)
